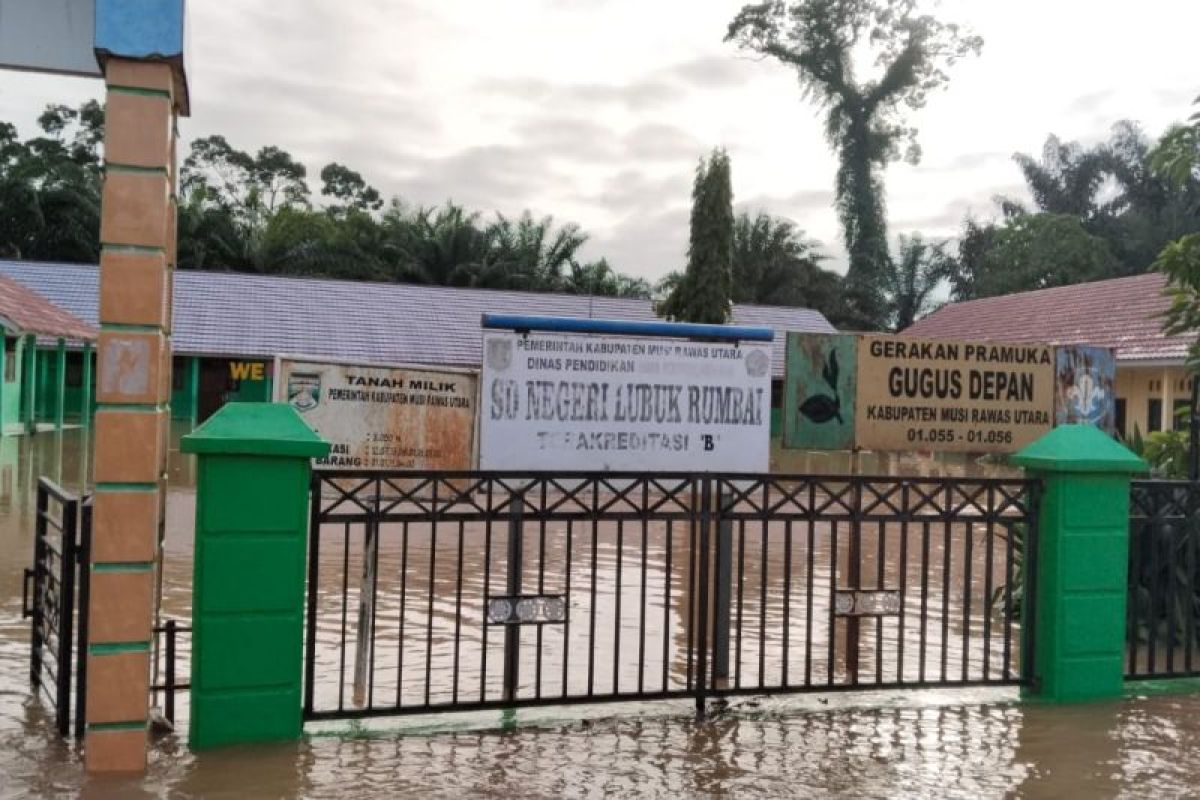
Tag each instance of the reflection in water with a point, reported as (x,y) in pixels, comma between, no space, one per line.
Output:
(964,743)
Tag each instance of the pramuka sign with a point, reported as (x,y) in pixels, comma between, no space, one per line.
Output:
(891,393)
(588,402)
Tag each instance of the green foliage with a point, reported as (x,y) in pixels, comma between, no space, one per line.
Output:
(1177,160)
(705,291)
(865,119)
(774,264)
(1165,451)
(1028,251)
(1177,156)
(50,186)
(1099,212)
(253,212)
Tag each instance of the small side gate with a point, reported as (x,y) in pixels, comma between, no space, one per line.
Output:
(438,591)
(55,598)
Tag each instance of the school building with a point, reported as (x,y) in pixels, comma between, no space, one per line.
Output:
(46,353)
(1152,383)
(228,327)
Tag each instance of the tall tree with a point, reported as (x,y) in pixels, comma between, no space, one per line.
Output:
(50,186)
(528,253)
(1029,251)
(1177,159)
(705,291)
(349,189)
(864,119)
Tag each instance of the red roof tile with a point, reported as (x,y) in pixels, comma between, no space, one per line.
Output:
(1122,313)
(23,310)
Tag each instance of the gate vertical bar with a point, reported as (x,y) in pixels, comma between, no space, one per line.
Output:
(169,700)
(66,614)
(853,626)
(314,559)
(512,633)
(84,557)
(1029,611)
(704,555)
(39,584)
(722,589)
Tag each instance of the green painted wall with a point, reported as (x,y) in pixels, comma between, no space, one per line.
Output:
(47,384)
(185,388)
(10,390)
(47,379)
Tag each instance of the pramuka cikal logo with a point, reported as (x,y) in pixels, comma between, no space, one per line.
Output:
(304,391)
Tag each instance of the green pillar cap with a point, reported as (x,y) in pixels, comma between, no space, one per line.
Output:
(256,429)
(1079,448)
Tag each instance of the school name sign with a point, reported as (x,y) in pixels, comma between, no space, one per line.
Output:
(888,393)
(572,402)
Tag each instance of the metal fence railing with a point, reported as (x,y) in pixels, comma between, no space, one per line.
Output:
(1164,593)
(55,599)
(435,591)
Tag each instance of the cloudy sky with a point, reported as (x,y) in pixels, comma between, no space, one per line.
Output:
(596,111)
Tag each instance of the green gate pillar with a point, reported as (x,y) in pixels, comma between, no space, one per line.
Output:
(248,588)
(1079,595)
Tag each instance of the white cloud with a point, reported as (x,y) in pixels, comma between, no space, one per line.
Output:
(596,111)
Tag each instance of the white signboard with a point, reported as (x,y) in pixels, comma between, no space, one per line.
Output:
(49,36)
(383,417)
(561,401)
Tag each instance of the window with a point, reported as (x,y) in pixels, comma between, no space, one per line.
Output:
(1119,422)
(74,377)
(1179,421)
(10,359)
(178,365)
(1154,415)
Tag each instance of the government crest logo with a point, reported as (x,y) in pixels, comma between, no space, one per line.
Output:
(499,354)
(304,391)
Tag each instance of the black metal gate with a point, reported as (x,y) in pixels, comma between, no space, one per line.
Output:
(437,591)
(1163,626)
(55,597)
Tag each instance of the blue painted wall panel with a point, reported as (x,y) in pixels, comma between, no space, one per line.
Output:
(140,28)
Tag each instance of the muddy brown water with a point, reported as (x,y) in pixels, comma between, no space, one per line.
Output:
(932,743)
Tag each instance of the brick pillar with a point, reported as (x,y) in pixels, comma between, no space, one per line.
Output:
(133,377)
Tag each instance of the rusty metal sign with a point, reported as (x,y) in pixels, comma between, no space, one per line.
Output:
(383,417)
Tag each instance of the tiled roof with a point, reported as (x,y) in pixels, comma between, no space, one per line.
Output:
(1122,313)
(236,314)
(23,310)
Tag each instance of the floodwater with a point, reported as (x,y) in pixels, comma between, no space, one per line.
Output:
(931,743)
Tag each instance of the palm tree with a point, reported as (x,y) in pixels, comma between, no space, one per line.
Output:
(529,254)
(913,277)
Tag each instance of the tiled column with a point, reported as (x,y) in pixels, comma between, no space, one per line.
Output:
(133,377)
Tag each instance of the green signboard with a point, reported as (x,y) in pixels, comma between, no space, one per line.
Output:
(819,391)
